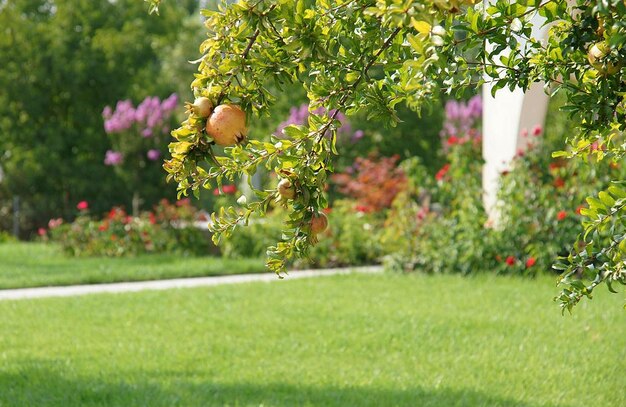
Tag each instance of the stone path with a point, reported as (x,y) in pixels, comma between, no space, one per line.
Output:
(67,291)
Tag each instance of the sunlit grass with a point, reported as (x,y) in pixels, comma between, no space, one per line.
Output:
(375,340)
(38,264)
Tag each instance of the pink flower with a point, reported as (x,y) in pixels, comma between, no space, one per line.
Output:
(153,154)
(113,158)
(537,130)
(41,231)
(54,223)
(524,132)
(82,206)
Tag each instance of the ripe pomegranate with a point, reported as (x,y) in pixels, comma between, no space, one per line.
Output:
(286,189)
(596,55)
(201,106)
(227,125)
(319,223)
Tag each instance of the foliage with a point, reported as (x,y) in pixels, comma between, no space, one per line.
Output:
(444,212)
(352,237)
(62,62)
(169,229)
(418,49)
(6,237)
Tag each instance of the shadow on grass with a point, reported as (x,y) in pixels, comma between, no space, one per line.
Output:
(34,385)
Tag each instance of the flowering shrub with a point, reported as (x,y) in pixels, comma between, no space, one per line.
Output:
(540,205)
(138,136)
(169,228)
(373,182)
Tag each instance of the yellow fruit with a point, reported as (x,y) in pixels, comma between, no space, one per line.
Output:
(286,189)
(227,125)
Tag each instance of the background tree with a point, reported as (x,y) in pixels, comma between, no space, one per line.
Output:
(62,62)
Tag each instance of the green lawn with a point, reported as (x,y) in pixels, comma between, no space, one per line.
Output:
(355,340)
(38,264)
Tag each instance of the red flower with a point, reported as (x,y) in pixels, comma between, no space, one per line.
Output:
(327,210)
(510,260)
(579,208)
(561,215)
(82,206)
(41,231)
(559,182)
(229,189)
(183,202)
(103,227)
(362,208)
(520,152)
(530,262)
(216,192)
(537,130)
(452,140)
(127,220)
(442,172)
(152,218)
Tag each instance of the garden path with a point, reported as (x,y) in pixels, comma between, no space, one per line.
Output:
(68,291)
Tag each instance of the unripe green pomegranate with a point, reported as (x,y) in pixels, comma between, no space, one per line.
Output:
(202,107)
(286,189)
(596,55)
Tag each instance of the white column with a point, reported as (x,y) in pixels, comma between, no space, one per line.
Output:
(504,117)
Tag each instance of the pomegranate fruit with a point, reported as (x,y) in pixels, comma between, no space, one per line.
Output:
(201,106)
(319,223)
(596,55)
(286,189)
(227,125)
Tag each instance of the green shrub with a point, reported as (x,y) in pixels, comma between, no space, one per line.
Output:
(170,228)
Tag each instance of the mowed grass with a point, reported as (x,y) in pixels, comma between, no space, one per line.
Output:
(38,264)
(355,340)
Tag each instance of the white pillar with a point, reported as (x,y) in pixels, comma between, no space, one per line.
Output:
(504,117)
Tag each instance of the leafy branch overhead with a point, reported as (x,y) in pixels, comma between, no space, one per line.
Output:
(368,56)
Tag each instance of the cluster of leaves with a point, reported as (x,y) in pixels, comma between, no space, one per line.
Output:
(168,228)
(363,56)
